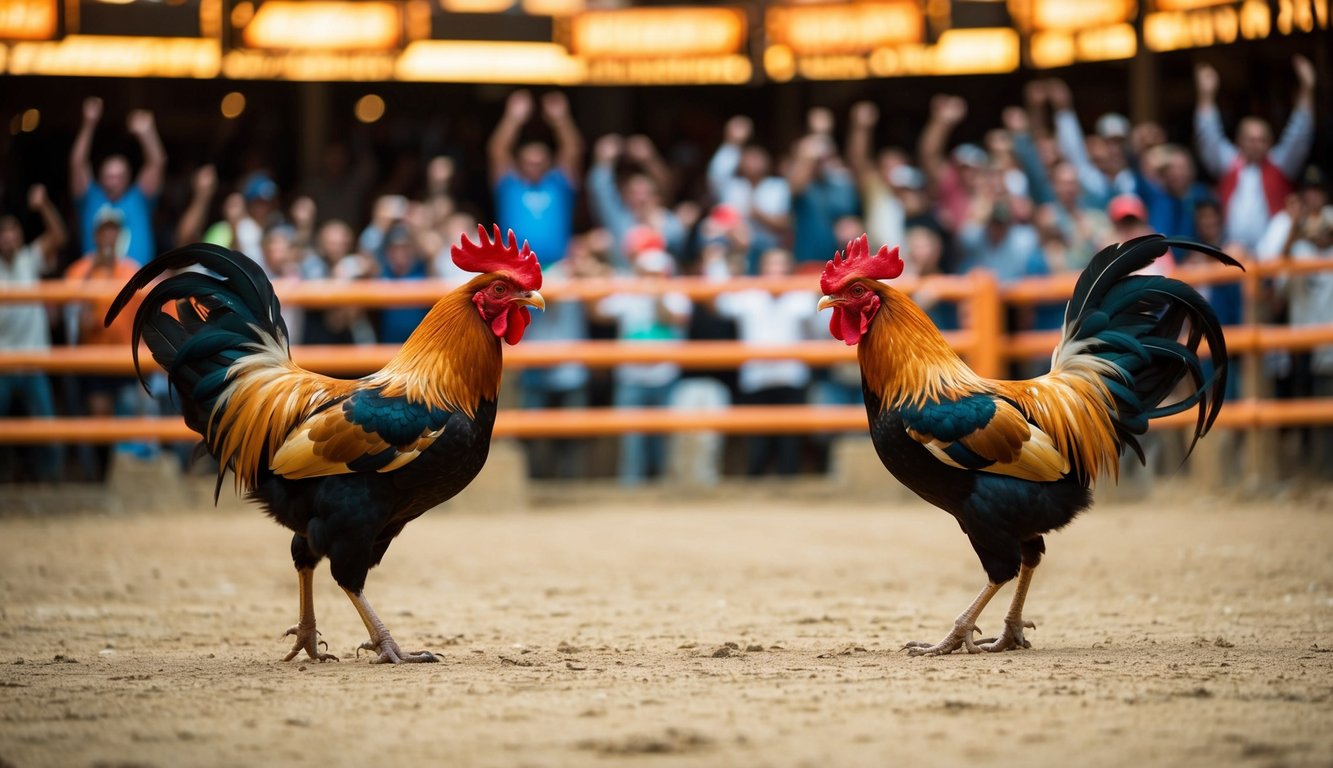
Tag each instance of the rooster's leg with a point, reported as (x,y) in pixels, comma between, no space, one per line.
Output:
(1011,637)
(380,640)
(307,637)
(963,627)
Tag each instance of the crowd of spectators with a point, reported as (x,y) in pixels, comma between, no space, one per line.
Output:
(1039,195)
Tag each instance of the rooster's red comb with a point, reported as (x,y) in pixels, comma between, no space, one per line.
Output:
(857,262)
(494,255)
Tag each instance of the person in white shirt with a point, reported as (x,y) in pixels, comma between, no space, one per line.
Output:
(25,326)
(645,317)
(768,319)
(740,177)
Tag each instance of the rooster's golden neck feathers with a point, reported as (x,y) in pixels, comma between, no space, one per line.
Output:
(904,357)
(452,360)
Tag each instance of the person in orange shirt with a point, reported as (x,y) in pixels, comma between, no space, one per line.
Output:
(84,322)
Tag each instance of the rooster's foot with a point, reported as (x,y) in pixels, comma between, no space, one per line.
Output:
(390,653)
(1010,639)
(960,637)
(307,639)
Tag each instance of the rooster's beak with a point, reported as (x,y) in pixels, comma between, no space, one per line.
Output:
(532,299)
(826,302)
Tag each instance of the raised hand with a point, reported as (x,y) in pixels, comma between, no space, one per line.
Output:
(948,109)
(1057,91)
(205,181)
(37,198)
(608,148)
(639,148)
(519,106)
(555,107)
(820,120)
(1304,72)
(738,130)
(865,114)
(139,122)
(1015,120)
(1206,81)
(92,109)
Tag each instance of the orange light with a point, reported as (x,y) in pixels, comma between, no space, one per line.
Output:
(233,104)
(466,61)
(369,108)
(1079,14)
(324,25)
(654,32)
(844,28)
(27,19)
(112,56)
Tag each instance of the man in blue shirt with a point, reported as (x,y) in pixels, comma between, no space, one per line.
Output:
(534,191)
(113,188)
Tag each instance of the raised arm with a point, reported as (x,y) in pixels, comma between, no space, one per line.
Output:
(640,149)
(1215,150)
(1290,152)
(80,164)
(191,225)
(53,236)
(946,112)
(1016,122)
(1069,138)
(727,158)
(568,140)
(141,124)
(500,148)
(860,139)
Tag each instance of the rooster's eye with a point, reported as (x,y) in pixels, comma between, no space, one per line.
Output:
(499,289)
(858,291)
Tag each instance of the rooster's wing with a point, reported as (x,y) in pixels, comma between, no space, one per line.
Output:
(366,431)
(983,432)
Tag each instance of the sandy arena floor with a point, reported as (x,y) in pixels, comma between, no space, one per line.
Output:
(1189,632)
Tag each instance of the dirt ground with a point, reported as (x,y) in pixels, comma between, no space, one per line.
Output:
(1185,632)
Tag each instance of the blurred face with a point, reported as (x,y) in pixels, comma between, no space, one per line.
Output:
(775,263)
(11,236)
(278,253)
(533,161)
(640,194)
(1208,224)
(335,240)
(754,164)
(104,240)
(1113,158)
(1178,173)
(1314,198)
(114,176)
(923,250)
(1253,139)
(1064,183)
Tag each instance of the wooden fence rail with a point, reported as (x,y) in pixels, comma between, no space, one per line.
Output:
(983,343)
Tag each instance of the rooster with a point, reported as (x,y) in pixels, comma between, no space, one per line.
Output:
(343,464)
(1013,460)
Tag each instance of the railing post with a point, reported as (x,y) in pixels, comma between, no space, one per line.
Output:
(984,316)
(1261,445)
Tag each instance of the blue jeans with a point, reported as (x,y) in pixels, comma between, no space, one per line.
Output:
(641,456)
(33,390)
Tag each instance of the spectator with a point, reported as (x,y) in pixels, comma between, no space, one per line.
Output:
(102,395)
(1310,302)
(534,192)
(1253,176)
(1286,226)
(246,214)
(113,188)
(1169,189)
(923,256)
(645,317)
(26,327)
(763,318)
(954,182)
(740,177)
(822,190)
(334,258)
(390,213)
(282,260)
(633,206)
(565,385)
(402,261)
(1102,159)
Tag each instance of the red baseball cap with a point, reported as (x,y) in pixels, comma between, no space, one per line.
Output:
(1126,206)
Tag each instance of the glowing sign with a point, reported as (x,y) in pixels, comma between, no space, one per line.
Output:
(639,33)
(1079,14)
(308,66)
(1219,24)
(835,29)
(109,56)
(487,62)
(320,25)
(28,20)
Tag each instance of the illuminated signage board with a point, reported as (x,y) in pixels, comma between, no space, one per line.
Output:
(1064,32)
(1183,24)
(109,56)
(29,20)
(683,45)
(179,18)
(845,28)
(318,25)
